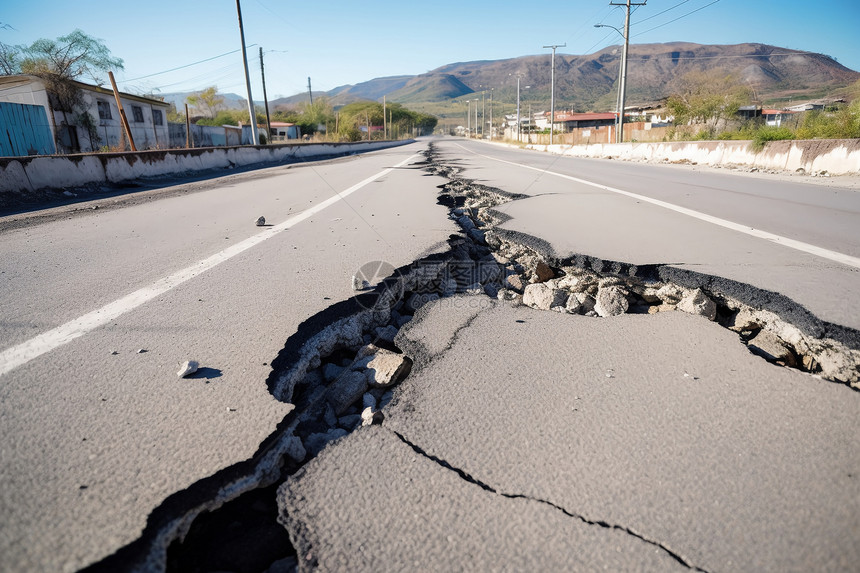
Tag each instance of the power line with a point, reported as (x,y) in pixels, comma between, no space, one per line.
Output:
(606,37)
(678,18)
(209,76)
(588,21)
(187,65)
(599,42)
(663,12)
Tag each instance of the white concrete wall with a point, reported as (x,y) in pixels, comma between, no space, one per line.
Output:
(26,174)
(836,156)
(146,134)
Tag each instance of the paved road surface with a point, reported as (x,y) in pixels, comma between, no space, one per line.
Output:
(93,441)
(702,457)
(522,438)
(578,217)
(530,439)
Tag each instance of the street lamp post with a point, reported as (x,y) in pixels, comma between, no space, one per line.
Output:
(622,88)
(518,108)
(619,109)
(491,113)
(476,118)
(552,92)
(519,118)
(483,111)
(468,119)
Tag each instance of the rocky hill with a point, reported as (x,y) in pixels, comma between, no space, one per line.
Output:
(589,82)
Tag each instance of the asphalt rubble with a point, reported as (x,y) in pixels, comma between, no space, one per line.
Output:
(342,367)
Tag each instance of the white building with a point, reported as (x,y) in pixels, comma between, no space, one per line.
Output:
(95,124)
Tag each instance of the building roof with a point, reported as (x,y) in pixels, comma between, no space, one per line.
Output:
(566,116)
(23,79)
(109,92)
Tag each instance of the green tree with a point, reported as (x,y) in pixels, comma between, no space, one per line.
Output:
(74,56)
(10,59)
(844,123)
(174,116)
(207,102)
(59,63)
(707,98)
(314,115)
(353,119)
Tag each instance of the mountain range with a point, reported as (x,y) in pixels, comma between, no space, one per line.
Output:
(589,82)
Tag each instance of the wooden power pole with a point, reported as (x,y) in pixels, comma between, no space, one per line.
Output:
(122,116)
(265,98)
(188,141)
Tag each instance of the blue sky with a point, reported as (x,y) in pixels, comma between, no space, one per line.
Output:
(343,42)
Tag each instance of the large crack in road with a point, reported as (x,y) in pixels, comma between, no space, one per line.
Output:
(342,367)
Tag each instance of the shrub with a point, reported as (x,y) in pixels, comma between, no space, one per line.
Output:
(767,133)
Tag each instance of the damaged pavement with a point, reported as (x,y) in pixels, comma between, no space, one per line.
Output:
(526,438)
(509,402)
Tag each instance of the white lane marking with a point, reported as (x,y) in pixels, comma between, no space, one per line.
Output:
(835,256)
(26,351)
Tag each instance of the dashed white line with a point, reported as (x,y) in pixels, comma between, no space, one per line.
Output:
(835,256)
(24,352)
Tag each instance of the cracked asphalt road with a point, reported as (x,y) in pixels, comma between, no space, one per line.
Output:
(588,446)
(96,435)
(521,440)
(534,440)
(578,218)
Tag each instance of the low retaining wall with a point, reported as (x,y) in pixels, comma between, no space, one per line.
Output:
(28,174)
(836,156)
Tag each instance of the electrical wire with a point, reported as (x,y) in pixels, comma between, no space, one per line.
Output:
(678,18)
(596,17)
(189,65)
(663,12)
(606,37)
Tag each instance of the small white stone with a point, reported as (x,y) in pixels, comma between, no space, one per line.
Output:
(188,367)
(367,417)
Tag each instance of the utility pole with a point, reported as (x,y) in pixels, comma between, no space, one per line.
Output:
(265,98)
(251,114)
(468,119)
(384,120)
(122,117)
(187,128)
(491,113)
(623,87)
(483,111)
(530,123)
(518,108)
(552,91)
(310,93)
